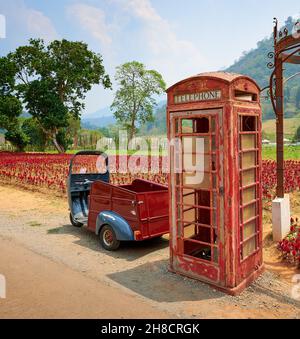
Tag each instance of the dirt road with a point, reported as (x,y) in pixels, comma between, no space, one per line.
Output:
(41,288)
(55,270)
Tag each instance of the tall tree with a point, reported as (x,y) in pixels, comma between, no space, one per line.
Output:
(134,100)
(10,105)
(36,137)
(297,135)
(53,82)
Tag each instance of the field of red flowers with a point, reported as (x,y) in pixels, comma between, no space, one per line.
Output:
(39,170)
(50,171)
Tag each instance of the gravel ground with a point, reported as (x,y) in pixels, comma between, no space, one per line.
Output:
(39,223)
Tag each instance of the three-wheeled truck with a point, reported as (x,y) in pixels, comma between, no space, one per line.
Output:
(138,211)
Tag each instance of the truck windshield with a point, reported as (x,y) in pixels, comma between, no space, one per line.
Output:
(89,164)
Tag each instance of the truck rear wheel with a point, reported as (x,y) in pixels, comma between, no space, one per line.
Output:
(74,222)
(108,238)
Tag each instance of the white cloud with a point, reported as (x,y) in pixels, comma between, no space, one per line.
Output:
(93,20)
(25,22)
(173,57)
(40,25)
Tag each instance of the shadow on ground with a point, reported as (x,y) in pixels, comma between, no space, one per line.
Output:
(153,280)
(129,250)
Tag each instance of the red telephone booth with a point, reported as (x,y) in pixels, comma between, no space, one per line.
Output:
(215,189)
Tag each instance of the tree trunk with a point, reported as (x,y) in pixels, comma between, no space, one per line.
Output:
(132,130)
(59,147)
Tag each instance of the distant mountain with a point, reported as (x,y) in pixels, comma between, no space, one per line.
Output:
(103,112)
(254,64)
(104,117)
(101,118)
(95,123)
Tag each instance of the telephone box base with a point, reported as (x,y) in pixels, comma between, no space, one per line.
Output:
(234,291)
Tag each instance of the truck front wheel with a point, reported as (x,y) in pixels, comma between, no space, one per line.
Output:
(108,238)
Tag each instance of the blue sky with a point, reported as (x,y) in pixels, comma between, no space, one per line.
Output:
(177,38)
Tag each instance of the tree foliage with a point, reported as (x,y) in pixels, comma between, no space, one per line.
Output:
(36,137)
(159,125)
(53,81)
(297,135)
(10,105)
(134,100)
(17,138)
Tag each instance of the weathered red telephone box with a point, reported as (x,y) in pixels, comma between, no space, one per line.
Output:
(215,207)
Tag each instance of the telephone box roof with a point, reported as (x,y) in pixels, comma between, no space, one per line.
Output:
(223,76)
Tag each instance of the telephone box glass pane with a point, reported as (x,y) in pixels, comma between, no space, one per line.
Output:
(249,247)
(187,126)
(248,195)
(249,212)
(248,177)
(248,160)
(249,229)
(248,141)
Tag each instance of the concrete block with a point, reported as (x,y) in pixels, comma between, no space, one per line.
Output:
(281,216)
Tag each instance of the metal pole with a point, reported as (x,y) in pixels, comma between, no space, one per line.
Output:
(279,128)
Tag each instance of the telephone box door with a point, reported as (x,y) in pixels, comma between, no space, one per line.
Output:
(197,194)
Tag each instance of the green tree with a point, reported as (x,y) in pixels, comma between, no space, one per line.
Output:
(10,106)
(133,103)
(10,110)
(264,134)
(36,137)
(48,110)
(72,131)
(17,138)
(53,82)
(297,135)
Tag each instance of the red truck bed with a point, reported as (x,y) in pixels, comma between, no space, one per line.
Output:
(143,204)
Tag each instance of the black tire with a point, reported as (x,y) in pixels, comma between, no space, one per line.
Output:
(74,222)
(108,238)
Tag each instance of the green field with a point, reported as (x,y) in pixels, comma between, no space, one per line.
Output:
(290,127)
(290,152)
